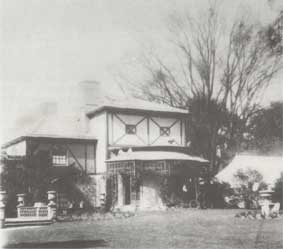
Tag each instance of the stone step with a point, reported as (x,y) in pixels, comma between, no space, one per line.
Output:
(15,223)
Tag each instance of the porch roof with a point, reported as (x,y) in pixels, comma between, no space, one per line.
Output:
(155,155)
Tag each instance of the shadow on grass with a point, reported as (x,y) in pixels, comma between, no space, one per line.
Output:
(61,244)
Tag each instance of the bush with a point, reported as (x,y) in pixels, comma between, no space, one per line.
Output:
(278,191)
(217,194)
(249,183)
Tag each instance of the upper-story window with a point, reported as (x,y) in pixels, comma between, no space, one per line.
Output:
(164,131)
(131,129)
(59,156)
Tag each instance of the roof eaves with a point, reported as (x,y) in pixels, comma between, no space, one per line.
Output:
(135,110)
(82,137)
(47,136)
(13,141)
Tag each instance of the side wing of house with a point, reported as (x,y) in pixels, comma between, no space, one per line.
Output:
(81,155)
(59,152)
(65,160)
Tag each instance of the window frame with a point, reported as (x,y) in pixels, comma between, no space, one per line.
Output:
(165,131)
(130,129)
(56,154)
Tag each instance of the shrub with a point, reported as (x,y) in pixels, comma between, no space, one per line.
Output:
(249,183)
(278,191)
(217,193)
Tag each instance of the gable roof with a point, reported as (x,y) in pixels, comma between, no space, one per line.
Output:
(93,99)
(98,97)
(51,126)
(270,167)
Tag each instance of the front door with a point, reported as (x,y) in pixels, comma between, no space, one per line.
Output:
(127,189)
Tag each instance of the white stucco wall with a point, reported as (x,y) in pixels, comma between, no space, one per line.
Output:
(175,131)
(18,149)
(97,128)
(117,130)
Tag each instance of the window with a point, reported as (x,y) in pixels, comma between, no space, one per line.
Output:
(59,160)
(59,156)
(62,201)
(164,131)
(131,129)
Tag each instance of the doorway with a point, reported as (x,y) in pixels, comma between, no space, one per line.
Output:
(150,193)
(127,189)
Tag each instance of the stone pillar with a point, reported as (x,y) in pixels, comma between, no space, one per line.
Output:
(102,200)
(21,199)
(265,196)
(52,206)
(135,191)
(3,196)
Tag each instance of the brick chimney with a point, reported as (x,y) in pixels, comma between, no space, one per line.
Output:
(91,93)
(48,108)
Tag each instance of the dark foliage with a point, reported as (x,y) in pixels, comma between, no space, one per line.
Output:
(278,191)
(246,190)
(266,130)
(210,133)
(216,193)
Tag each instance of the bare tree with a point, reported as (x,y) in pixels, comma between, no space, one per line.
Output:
(228,67)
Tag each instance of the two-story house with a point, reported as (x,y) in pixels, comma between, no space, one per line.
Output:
(128,148)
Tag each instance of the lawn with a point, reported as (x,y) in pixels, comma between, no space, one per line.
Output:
(205,229)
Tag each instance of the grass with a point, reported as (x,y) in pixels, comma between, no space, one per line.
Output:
(197,229)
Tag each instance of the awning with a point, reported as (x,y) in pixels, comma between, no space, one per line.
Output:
(155,155)
(270,167)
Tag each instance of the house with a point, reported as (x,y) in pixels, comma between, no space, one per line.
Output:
(270,167)
(124,148)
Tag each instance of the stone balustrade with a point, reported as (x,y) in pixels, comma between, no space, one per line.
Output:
(34,212)
(3,196)
(25,213)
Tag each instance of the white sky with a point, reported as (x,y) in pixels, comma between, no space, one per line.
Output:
(49,45)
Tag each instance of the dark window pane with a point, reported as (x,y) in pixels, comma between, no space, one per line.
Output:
(164,131)
(59,156)
(131,129)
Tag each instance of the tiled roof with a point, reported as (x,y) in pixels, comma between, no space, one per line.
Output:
(98,96)
(51,126)
(59,126)
(134,103)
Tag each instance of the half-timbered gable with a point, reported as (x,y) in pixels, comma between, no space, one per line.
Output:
(145,130)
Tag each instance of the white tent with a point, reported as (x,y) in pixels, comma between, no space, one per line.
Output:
(270,167)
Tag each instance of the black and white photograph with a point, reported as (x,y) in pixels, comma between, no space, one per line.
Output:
(141,124)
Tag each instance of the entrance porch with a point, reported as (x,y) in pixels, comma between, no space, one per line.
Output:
(148,180)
